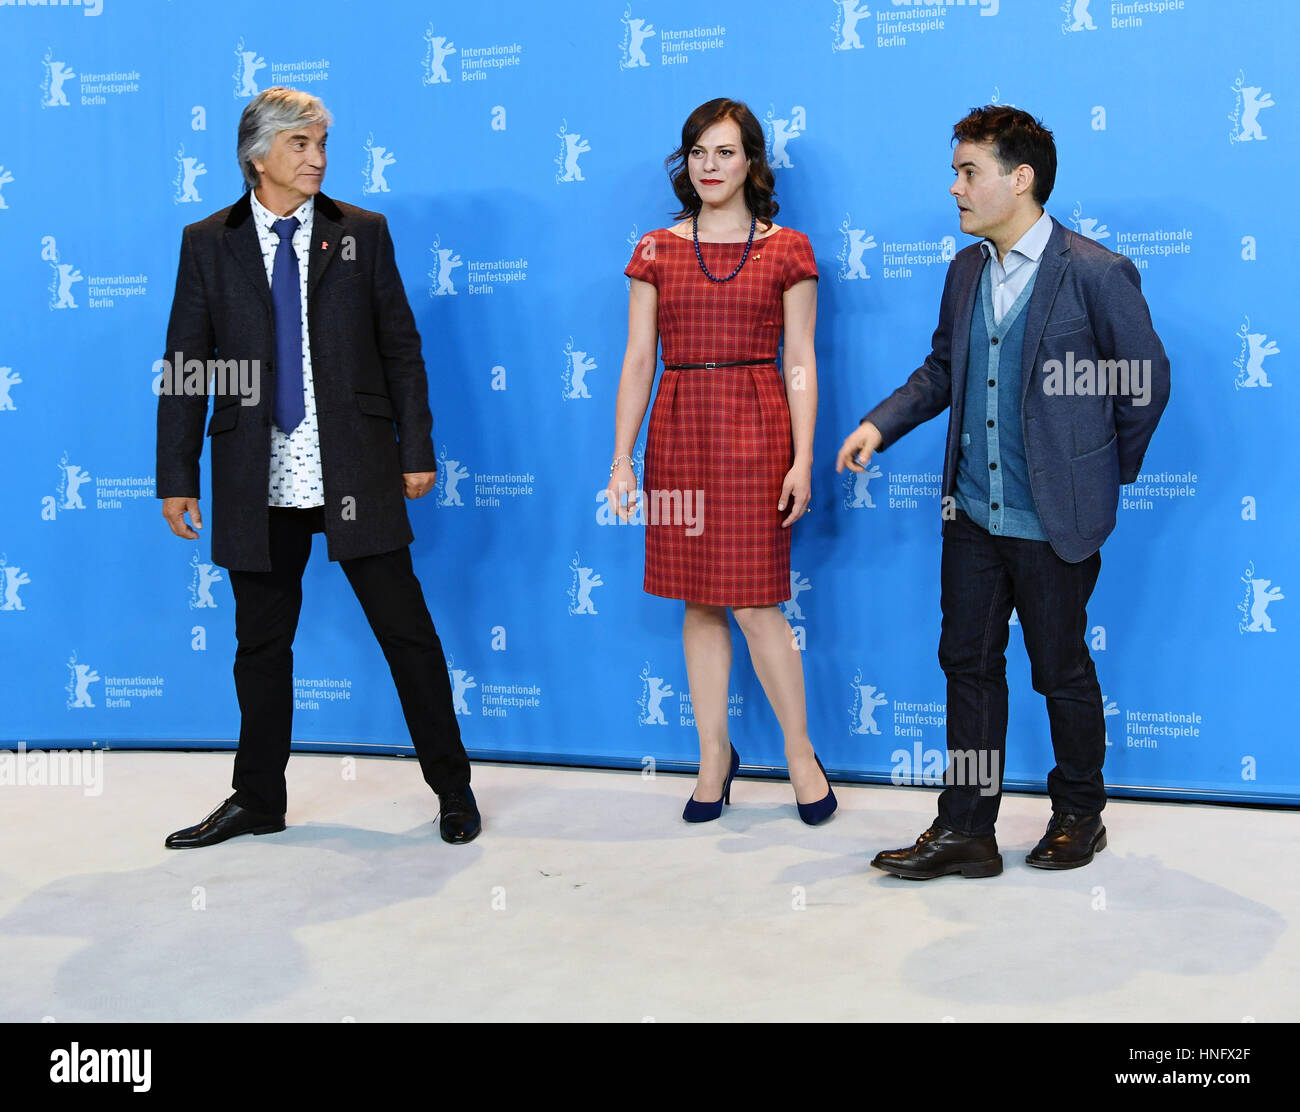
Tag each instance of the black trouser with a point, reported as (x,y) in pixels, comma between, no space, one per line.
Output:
(267,605)
(983,577)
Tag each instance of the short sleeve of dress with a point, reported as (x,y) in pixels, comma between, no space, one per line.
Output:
(800,262)
(643,260)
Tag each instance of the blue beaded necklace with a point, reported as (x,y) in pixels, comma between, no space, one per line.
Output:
(695,234)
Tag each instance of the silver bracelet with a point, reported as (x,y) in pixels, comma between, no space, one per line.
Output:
(614,466)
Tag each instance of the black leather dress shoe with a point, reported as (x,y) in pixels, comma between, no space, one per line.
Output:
(227,821)
(1070,841)
(458,817)
(940,851)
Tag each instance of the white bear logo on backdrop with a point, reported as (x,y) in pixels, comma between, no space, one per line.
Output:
(855,241)
(1255,348)
(437,50)
(780,132)
(1250,99)
(247,65)
(5,178)
(576,365)
(790,608)
(445,260)
(12,578)
(583,581)
(188,171)
(450,474)
(862,714)
(201,580)
(1077,16)
(461,682)
(654,690)
(79,680)
(1260,593)
(56,75)
(71,479)
(9,378)
(1109,709)
(572,146)
(1087,225)
(65,275)
(635,33)
(857,492)
(847,15)
(378,159)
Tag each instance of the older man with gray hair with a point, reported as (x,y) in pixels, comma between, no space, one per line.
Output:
(306,290)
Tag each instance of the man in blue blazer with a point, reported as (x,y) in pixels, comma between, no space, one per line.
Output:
(1054,378)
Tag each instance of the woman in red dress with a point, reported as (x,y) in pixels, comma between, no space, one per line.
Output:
(729,449)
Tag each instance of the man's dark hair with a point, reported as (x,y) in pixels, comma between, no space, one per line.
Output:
(1016,138)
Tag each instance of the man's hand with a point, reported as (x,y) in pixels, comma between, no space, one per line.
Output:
(419,483)
(858,446)
(175,509)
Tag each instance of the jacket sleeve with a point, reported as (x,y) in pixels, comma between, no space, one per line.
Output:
(398,342)
(1122,325)
(181,415)
(928,390)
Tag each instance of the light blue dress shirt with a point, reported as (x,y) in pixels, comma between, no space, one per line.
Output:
(1011,277)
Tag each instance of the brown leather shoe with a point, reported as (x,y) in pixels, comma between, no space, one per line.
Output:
(1070,841)
(940,851)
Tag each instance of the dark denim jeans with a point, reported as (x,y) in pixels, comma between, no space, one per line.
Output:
(983,577)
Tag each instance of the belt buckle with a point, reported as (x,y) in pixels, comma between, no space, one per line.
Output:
(710,366)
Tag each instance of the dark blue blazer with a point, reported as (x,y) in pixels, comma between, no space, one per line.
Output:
(1087,304)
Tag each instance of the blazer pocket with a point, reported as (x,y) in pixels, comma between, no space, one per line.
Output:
(224,419)
(1062,327)
(375,405)
(1095,476)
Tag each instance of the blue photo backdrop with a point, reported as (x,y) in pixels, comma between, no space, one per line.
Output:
(517,150)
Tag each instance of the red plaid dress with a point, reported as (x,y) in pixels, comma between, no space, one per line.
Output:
(719,444)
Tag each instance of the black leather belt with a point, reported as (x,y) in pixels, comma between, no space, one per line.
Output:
(710,366)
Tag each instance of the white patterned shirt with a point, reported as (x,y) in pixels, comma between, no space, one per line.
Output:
(296,478)
(1010,278)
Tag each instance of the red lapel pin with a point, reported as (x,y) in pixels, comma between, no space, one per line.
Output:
(323,245)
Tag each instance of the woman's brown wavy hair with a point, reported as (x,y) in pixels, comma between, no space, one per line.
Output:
(760,186)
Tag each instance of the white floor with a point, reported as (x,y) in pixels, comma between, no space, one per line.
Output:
(587,897)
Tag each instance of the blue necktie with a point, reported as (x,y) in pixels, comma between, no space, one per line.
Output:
(287,407)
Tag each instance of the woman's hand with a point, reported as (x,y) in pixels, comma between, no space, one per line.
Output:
(796,493)
(621,482)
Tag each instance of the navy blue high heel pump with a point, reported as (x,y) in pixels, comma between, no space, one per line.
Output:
(813,813)
(703,812)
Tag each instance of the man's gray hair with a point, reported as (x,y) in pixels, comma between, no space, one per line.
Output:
(270,112)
